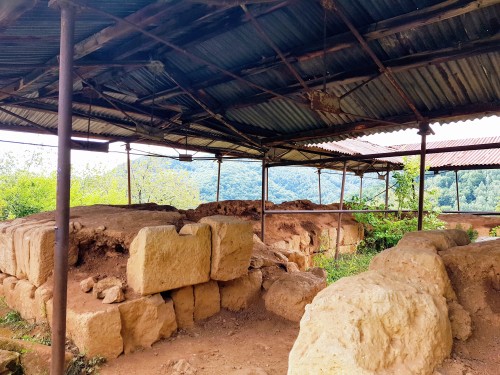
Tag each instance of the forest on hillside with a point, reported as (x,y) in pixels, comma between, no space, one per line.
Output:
(27,184)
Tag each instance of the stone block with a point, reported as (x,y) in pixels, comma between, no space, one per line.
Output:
(206,300)
(8,262)
(231,246)
(41,253)
(145,321)
(289,295)
(9,284)
(183,299)
(96,332)
(427,238)
(162,259)
(372,324)
(42,295)
(24,300)
(240,293)
(353,233)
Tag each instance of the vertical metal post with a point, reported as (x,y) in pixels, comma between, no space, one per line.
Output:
(219,162)
(456,185)
(423,150)
(263,201)
(129,188)
(266,196)
(341,205)
(63,188)
(319,184)
(360,187)
(387,175)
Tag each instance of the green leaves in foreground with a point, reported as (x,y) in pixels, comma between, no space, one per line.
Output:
(346,265)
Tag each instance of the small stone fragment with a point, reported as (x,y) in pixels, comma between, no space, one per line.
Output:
(292,267)
(9,362)
(113,295)
(104,284)
(87,284)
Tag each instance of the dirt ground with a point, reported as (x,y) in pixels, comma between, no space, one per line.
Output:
(251,342)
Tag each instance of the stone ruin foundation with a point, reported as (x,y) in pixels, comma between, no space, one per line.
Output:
(139,274)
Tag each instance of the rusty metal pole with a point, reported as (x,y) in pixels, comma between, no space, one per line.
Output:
(360,187)
(63,187)
(129,189)
(219,162)
(341,204)
(456,185)
(263,201)
(423,131)
(388,171)
(319,184)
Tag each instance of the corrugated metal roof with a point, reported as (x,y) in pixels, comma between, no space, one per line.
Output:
(266,103)
(461,158)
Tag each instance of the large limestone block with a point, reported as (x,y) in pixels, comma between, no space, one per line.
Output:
(22,237)
(96,332)
(143,321)
(24,300)
(9,284)
(240,293)
(206,300)
(353,233)
(41,253)
(439,239)
(8,262)
(458,235)
(184,306)
(424,269)
(231,246)
(372,324)
(289,295)
(42,295)
(162,259)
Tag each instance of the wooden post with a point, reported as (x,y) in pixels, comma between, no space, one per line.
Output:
(456,185)
(129,188)
(360,187)
(219,162)
(387,175)
(423,131)
(263,201)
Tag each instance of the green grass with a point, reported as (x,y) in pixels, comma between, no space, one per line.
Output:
(346,265)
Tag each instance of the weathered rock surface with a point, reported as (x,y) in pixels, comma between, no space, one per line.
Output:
(238,294)
(270,275)
(162,259)
(9,362)
(439,239)
(145,321)
(113,295)
(474,271)
(184,306)
(289,295)
(35,358)
(231,246)
(424,269)
(206,300)
(101,286)
(372,324)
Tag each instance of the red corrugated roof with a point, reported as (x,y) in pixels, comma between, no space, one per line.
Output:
(460,158)
(358,147)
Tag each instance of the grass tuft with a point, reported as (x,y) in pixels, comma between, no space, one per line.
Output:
(346,265)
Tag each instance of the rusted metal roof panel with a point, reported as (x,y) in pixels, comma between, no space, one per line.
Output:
(461,158)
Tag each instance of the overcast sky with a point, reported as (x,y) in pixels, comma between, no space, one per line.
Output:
(486,127)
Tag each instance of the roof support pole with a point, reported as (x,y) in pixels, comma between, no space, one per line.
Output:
(129,189)
(319,184)
(263,201)
(424,130)
(360,187)
(63,187)
(387,188)
(456,185)
(341,205)
(219,162)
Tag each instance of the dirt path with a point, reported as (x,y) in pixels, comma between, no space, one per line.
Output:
(251,342)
